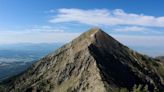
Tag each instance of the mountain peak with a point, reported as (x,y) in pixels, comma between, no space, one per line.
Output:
(98,37)
(95,35)
(94,30)
(93,62)
(90,33)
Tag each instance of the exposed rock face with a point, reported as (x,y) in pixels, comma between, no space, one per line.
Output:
(93,62)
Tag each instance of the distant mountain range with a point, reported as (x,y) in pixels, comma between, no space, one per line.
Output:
(15,58)
(93,62)
(27,50)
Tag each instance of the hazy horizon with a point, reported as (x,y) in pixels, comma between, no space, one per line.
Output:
(154,52)
(134,23)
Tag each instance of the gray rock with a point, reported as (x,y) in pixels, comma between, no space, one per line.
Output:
(93,62)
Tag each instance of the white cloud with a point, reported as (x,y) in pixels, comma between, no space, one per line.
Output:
(42,34)
(10,37)
(44,28)
(147,41)
(106,17)
(131,28)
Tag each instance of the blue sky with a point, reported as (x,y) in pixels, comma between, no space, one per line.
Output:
(135,23)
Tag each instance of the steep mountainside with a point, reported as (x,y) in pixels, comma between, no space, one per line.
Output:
(93,62)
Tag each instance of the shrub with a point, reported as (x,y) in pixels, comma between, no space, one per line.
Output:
(124,90)
(140,88)
(1,88)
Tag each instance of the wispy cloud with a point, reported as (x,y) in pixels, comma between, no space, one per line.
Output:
(106,17)
(131,29)
(138,40)
(45,28)
(36,34)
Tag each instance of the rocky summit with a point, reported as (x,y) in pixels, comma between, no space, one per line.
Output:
(93,62)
